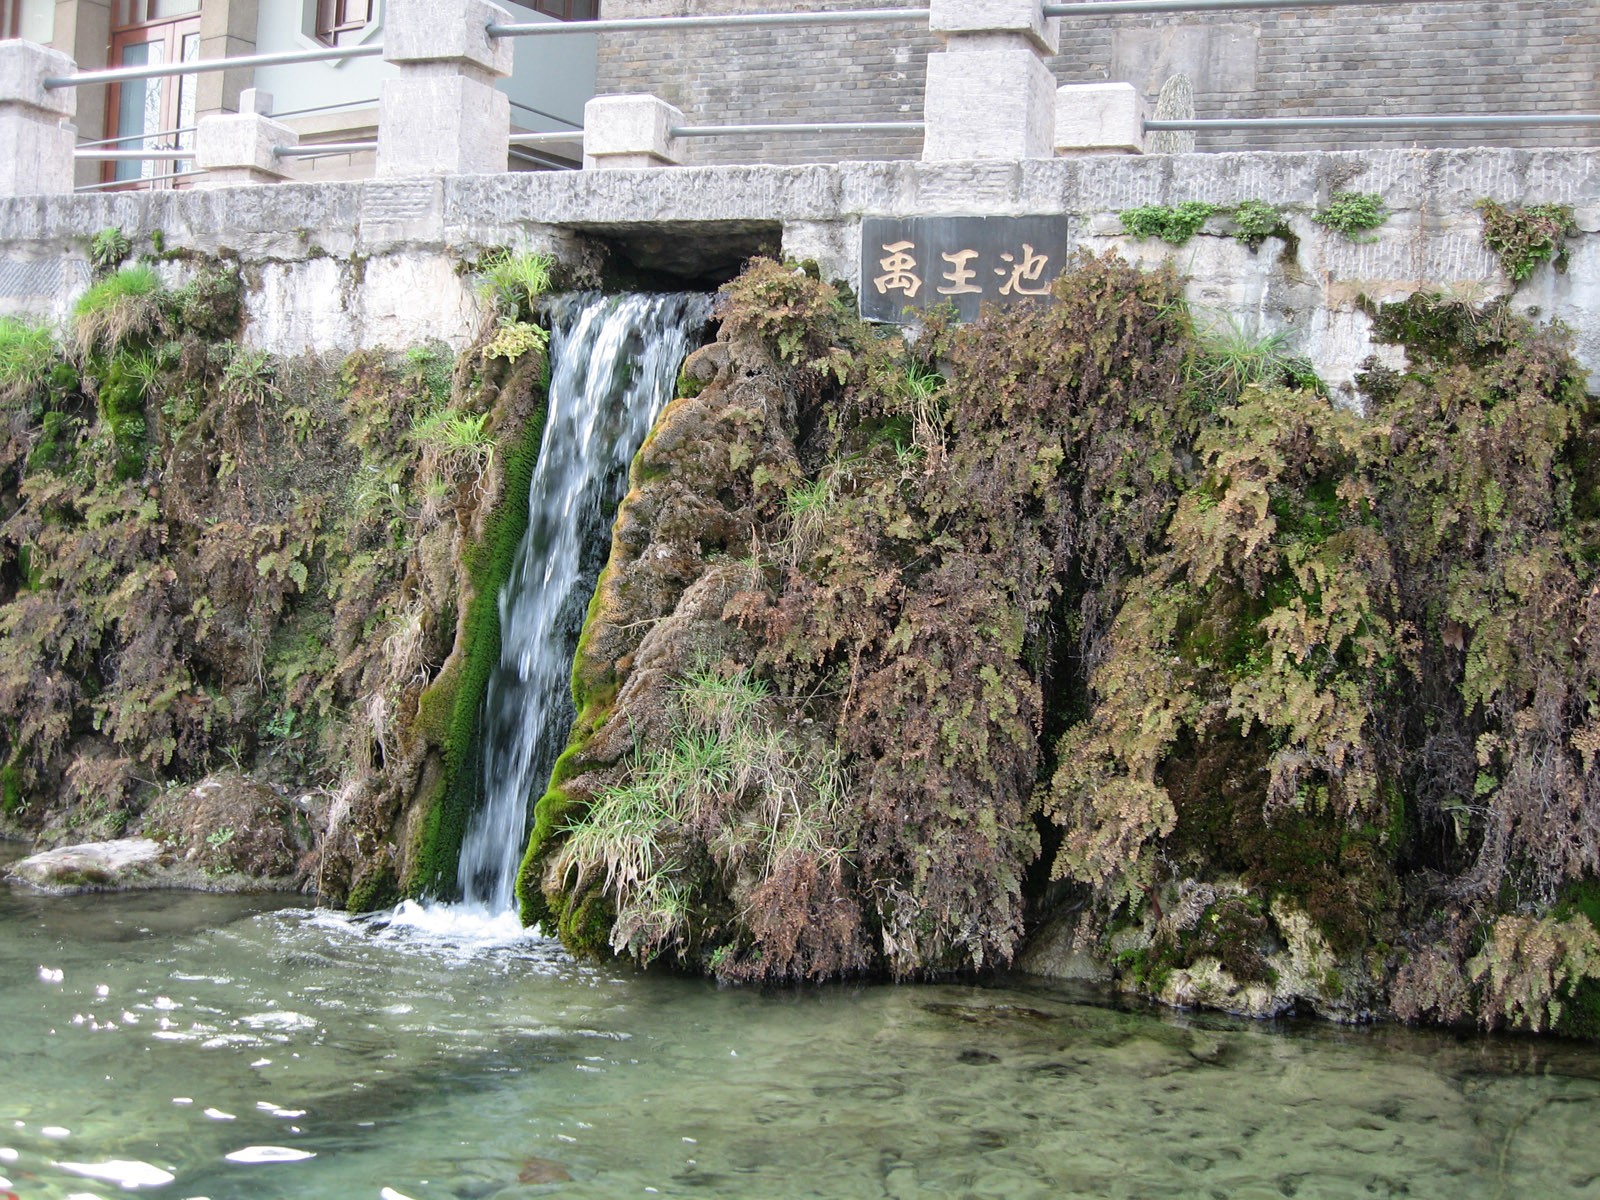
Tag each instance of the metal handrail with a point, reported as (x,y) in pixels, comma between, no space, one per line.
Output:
(1418,121)
(694,131)
(133,155)
(319,149)
(863,16)
(131,184)
(201,66)
(138,137)
(550,137)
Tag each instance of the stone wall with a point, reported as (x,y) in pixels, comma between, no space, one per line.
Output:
(331,267)
(1514,56)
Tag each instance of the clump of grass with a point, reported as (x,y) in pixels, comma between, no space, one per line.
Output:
(1353,213)
(511,280)
(456,441)
(728,785)
(122,307)
(27,357)
(1228,360)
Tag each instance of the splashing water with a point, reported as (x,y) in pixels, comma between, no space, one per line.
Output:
(614,361)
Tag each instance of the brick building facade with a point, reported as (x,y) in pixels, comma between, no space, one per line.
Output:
(1513,56)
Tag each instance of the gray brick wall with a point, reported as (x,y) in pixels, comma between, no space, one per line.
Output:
(1516,56)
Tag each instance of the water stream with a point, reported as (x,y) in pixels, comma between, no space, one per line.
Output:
(213,1046)
(614,361)
(237,1048)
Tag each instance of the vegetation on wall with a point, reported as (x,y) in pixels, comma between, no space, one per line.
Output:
(213,561)
(1279,693)
(1353,213)
(1524,236)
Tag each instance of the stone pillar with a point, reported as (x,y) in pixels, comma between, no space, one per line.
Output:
(227,30)
(240,148)
(35,121)
(1099,118)
(630,131)
(990,94)
(442,115)
(83,30)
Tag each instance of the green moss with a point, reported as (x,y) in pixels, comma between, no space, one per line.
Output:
(451,709)
(122,409)
(11,796)
(593,694)
(377,889)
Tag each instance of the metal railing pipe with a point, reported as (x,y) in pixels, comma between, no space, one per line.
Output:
(1420,121)
(202,66)
(132,155)
(132,185)
(137,137)
(318,149)
(547,138)
(693,131)
(1116,8)
(863,16)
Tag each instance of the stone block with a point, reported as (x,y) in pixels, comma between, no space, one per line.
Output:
(630,131)
(441,124)
(455,31)
(24,67)
(1099,118)
(241,148)
(38,152)
(956,21)
(996,103)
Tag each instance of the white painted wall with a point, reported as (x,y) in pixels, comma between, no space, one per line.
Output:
(553,75)
(39,21)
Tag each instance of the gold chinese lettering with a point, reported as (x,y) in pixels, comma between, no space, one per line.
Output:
(1029,270)
(959,276)
(898,266)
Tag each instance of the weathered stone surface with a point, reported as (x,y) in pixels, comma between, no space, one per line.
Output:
(93,866)
(331,266)
(1099,118)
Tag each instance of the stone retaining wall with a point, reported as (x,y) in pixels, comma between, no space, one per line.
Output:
(331,267)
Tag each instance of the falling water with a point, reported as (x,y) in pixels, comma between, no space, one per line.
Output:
(614,360)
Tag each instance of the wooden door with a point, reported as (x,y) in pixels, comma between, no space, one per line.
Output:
(152,114)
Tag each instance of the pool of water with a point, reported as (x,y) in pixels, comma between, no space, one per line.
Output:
(229,1047)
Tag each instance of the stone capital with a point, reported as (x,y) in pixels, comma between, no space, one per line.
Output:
(447,31)
(237,148)
(24,66)
(1099,118)
(983,21)
(631,131)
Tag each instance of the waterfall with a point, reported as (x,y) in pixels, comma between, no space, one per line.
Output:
(613,364)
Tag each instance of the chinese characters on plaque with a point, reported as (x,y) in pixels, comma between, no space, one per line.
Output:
(922,262)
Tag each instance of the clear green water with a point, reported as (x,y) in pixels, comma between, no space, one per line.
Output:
(362,1063)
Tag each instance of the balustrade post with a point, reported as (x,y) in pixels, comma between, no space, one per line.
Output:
(990,93)
(1099,118)
(443,114)
(241,148)
(36,130)
(630,131)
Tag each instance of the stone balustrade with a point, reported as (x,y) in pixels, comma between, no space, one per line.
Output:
(989,96)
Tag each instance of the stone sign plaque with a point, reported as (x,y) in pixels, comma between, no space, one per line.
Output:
(921,262)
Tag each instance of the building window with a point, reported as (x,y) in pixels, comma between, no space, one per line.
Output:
(340,22)
(566,10)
